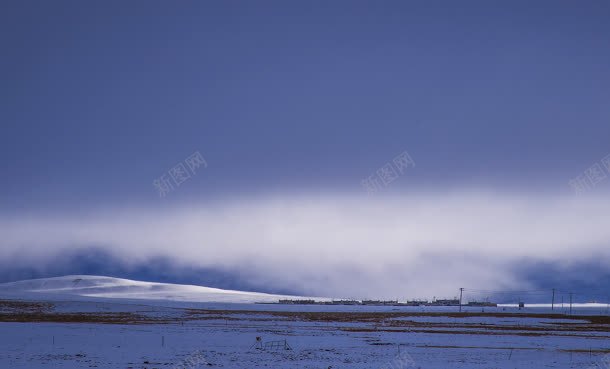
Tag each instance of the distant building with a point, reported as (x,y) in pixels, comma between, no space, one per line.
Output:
(297,302)
(482,304)
(379,302)
(452,302)
(344,302)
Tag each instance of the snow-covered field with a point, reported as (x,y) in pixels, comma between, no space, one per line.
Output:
(85,322)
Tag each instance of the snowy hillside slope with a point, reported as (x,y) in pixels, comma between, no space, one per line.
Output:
(108,287)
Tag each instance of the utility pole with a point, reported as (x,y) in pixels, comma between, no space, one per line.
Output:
(553,301)
(461,290)
(570,303)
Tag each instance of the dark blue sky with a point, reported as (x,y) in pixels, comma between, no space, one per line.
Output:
(292,104)
(97,100)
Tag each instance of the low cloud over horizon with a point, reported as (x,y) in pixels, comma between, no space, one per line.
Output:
(338,245)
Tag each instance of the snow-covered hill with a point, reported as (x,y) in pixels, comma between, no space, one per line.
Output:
(108,287)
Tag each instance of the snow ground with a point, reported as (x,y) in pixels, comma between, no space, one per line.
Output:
(220,334)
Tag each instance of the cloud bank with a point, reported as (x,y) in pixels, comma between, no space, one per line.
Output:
(350,245)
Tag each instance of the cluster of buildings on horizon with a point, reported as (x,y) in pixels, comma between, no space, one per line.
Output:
(450,302)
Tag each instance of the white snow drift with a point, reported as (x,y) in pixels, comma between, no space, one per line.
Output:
(107,287)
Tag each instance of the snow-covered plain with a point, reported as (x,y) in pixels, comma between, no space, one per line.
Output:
(84,322)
